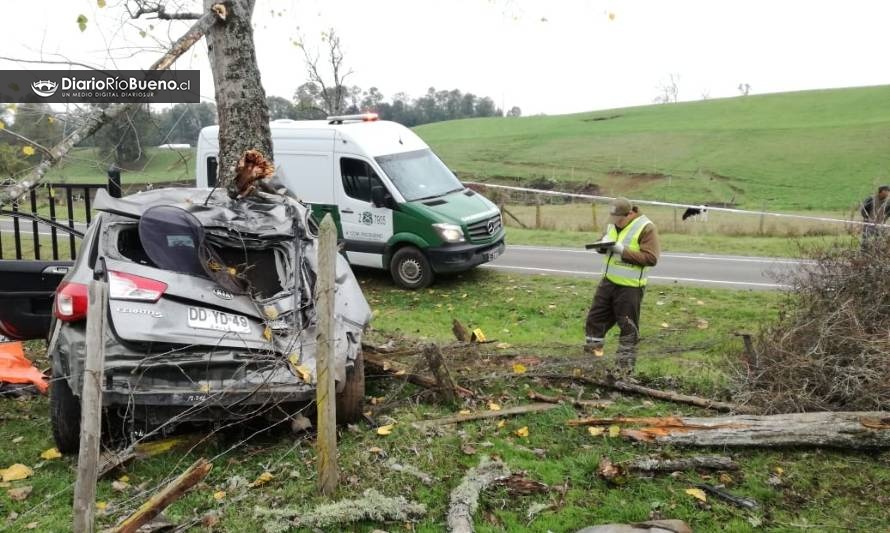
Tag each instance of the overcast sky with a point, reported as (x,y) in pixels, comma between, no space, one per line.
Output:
(545,57)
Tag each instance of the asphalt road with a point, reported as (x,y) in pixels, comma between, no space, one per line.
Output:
(759,273)
(727,271)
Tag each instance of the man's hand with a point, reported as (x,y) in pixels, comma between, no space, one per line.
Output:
(617,248)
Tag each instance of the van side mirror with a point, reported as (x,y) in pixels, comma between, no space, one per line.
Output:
(380,197)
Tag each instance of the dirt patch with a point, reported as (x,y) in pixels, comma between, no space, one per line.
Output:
(638,176)
(598,119)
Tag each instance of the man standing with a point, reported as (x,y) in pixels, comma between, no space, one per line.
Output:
(630,248)
(875,209)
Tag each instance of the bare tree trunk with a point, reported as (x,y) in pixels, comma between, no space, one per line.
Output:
(240,97)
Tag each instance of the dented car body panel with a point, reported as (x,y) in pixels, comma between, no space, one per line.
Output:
(213,343)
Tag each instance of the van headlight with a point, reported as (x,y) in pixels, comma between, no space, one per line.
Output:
(449,232)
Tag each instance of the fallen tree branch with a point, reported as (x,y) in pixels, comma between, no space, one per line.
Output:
(850,430)
(652,465)
(446,385)
(738,501)
(510,411)
(169,494)
(465,497)
(371,506)
(401,371)
(100,117)
(596,404)
(395,466)
(669,396)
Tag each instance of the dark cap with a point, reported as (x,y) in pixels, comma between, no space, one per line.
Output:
(619,208)
(884,188)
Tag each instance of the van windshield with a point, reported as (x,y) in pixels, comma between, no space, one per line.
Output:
(419,175)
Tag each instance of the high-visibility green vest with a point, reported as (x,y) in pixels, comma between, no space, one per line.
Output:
(616,270)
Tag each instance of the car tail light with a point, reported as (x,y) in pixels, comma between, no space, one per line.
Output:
(71,302)
(123,286)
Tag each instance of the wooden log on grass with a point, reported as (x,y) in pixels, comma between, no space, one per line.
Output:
(846,430)
(169,494)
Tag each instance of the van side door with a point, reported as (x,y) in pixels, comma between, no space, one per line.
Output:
(366,227)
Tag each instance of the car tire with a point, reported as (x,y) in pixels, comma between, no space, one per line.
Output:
(351,400)
(410,269)
(64,415)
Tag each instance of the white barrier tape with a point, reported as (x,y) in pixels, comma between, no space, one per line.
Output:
(669,204)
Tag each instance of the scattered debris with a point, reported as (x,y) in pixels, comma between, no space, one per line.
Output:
(852,430)
(510,411)
(608,470)
(519,484)
(738,501)
(465,497)
(410,470)
(401,371)
(371,506)
(169,494)
(19,494)
(299,424)
(652,526)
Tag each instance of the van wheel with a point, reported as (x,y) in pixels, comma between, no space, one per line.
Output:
(64,415)
(410,269)
(351,401)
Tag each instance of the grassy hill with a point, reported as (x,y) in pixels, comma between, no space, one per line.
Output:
(813,150)
(85,165)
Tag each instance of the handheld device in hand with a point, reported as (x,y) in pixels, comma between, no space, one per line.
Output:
(599,246)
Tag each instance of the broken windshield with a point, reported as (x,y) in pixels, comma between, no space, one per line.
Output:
(419,175)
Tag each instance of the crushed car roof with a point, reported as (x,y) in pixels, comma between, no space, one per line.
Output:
(260,214)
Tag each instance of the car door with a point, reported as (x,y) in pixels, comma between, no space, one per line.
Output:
(27,289)
(366,228)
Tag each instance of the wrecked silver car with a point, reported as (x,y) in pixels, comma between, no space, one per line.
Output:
(210,313)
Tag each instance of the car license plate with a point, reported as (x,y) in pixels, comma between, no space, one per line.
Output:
(491,255)
(200,318)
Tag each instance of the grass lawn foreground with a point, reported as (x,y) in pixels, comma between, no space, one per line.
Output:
(687,335)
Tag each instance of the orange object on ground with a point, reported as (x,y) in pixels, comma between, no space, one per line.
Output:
(16,368)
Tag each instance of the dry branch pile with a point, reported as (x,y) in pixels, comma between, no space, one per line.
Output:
(829,349)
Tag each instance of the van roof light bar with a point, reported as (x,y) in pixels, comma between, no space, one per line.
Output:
(364,117)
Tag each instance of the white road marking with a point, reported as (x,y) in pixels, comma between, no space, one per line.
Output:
(665,278)
(741,259)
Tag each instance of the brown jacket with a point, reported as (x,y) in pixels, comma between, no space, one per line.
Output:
(650,249)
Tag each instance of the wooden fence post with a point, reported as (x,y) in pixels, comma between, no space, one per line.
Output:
(675,220)
(325,398)
(538,213)
(91,410)
(593,214)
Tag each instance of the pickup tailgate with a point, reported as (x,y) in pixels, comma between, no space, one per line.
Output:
(27,289)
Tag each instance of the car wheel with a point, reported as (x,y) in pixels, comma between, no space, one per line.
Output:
(351,400)
(64,415)
(410,269)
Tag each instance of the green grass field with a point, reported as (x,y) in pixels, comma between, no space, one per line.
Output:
(538,317)
(814,150)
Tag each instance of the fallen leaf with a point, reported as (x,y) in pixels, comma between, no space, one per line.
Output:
(779,470)
(28,150)
(725,478)
(501,423)
(464,412)
(468,449)
(502,345)
(124,479)
(219,495)
(576,372)
(267,333)
(19,494)
(31,525)
(551,306)
(614,431)
(607,470)
(15,472)
(597,352)
(698,494)
(100,505)
(2,125)
(264,478)
(522,432)
(375,449)
(17,439)
(493,406)
(596,431)
(699,302)
(702,324)
(665,325)
(120,486)
(385,430)
(271,312)
(519,368)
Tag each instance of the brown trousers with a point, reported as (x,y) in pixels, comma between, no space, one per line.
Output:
(615,304)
